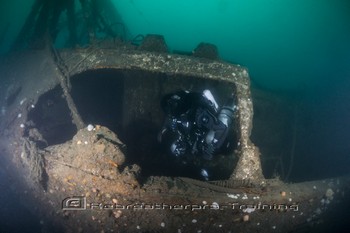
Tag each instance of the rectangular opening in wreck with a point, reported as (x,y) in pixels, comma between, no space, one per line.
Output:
(128,103)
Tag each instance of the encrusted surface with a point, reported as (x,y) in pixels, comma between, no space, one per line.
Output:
(91,165)
(43,74)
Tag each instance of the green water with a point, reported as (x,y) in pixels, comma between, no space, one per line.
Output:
(285,44)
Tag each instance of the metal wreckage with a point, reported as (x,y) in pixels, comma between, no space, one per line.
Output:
(77,127)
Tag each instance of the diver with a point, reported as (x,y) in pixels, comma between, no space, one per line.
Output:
(196,128)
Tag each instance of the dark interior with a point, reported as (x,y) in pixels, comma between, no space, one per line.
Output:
(98,96)
(51,116)
(128,103)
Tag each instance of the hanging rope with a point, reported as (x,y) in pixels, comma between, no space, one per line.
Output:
(64,79)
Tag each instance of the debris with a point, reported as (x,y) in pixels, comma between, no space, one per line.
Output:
(232,196)
(246,218)
(117,214)
(90,127)
(22,101)
(329,194)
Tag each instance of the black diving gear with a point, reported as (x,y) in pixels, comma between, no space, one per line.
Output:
(195,126)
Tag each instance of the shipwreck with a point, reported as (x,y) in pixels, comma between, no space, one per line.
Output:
(77,130)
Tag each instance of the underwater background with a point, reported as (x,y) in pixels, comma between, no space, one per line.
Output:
(298,48)
(286,44)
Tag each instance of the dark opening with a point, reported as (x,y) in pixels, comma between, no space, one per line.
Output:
(98,95)
(128,103)
(51,116)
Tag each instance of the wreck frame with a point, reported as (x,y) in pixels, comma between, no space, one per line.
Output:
(39,169)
